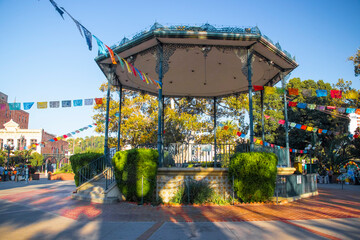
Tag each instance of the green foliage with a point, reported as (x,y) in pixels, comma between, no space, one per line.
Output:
(81,159)
(197,192)
(133,166)
(65,168)
(36,159)
(183,117)
(254,175)
(87,144)
(356,60)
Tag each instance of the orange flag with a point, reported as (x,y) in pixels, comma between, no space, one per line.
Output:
(293,91)
(111,54)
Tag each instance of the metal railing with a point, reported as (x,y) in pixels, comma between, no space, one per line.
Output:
(109,175)
(92,169)
(183,154)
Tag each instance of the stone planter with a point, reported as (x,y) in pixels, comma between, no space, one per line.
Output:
(62,176)
(35,176)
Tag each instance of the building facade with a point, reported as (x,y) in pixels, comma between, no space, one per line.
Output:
(23,138)
(19,116)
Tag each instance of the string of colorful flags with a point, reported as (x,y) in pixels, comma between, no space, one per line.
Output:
(322,108)
(352,94)
(259,141)
(308,128)
(55,139)
(105,49)
(53,104)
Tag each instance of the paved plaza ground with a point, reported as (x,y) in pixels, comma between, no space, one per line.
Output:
(44,210)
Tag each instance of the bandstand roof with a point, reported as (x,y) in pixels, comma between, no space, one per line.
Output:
(199,61)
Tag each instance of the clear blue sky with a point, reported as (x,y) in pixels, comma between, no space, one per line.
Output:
(44,58)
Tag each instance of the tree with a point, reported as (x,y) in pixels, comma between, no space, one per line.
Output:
(356,60)
(36,159)
(183,117)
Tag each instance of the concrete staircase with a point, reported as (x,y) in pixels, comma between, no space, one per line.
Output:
(95,191)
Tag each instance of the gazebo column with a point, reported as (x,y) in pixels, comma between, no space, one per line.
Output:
(287,154)
(119,127)
(262,116)
(160,146)
(215,160)
(251,117)
(106,147)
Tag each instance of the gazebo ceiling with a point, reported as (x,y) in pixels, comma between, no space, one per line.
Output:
(199,61)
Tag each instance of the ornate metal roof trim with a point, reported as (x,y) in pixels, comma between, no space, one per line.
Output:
(156,27)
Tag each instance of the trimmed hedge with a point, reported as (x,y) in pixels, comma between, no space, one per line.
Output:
(81,159)
(130,167)
(254,175)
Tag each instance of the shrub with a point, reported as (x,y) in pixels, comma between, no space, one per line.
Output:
(254,175)
(81,159)
(130,167)
(65,168)
(197,192)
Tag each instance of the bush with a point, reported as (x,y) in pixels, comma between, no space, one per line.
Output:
(130,167)
(81,159)
(65,168)
(254,175)
(197,192)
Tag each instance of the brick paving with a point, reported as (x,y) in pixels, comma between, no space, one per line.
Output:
(332,202)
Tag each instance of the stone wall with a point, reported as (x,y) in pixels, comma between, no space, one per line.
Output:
(169,180)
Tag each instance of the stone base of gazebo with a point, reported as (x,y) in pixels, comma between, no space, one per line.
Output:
(289,186)
(169,180)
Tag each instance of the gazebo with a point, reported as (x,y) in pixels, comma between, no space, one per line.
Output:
(198,61)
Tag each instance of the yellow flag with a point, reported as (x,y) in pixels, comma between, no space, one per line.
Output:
(351,95)
(258,141)
(41,105)
(269,90)
(309,129)
(58,138)
(127,65)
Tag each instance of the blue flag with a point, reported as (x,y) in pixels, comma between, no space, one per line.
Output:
(88,37)
(350,110)
(301,105)
(321,93)
(101,46)
(14,106)
(66,103)
(75,21)
(61,12)
(28,105)
(78,103)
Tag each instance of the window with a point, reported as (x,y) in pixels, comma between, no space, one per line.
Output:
(1,144)
(10,141)
(18,144)
(32,141)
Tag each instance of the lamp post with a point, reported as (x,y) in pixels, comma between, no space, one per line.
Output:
(8,147)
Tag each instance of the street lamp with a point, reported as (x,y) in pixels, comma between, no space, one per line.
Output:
(8,147)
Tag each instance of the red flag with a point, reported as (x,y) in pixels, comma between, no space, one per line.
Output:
(258,88)
(331,107)
(357,111)
(65,136)
(292,104)
(226,128)
(303,127)
(282,121)
(238,133)
(336,93)
(133,69)
(111,54)
(99,100)
(55,139)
